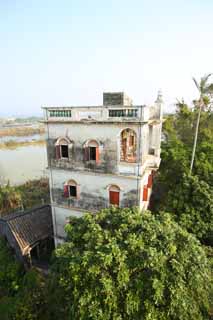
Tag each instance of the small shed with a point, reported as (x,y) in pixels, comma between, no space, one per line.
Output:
(28,233)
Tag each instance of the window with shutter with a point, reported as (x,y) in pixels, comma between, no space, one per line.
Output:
(114,195)
(149,185)
(145,193)
(71,189)
(114,198)
(97,155)
(66,191)
(58,152)
(62,148)
(86,154)
(91,151)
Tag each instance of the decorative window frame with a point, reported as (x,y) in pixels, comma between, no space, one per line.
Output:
(119,138)
(92,143)
(69,183)
(63,141)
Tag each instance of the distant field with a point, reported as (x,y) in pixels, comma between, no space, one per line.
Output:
(21,131)
(11,144)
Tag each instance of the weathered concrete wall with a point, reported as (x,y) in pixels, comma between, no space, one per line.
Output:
(93,188)
(116,98)
(94,194)
(108,136)
(107,162)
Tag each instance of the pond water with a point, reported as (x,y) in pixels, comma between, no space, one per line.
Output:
(22,164)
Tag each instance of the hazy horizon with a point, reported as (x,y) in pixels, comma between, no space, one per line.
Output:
(68,53)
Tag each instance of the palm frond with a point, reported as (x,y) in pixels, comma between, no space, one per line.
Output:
(196,83)
(206,77)
(203,83)
(209,88)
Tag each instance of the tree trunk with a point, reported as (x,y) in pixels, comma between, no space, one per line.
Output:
(195,139)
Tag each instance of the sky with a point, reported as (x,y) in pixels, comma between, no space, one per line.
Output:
(67,52)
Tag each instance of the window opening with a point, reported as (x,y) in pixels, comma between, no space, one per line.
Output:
(73,191)
(92,153)
(128,146)
(64,151)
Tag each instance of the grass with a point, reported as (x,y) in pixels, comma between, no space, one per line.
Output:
(11,144)
(21,131)
(31,193)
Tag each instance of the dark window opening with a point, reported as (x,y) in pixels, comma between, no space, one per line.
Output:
(73,191)
(92,153)
(64,151)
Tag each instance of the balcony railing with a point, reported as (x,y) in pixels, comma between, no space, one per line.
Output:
(128,113)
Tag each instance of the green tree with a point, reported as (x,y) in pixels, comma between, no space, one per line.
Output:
(31,299)
(187,199)
(191,203)
(11,274)
(205,89)
(10,271)
(122,264)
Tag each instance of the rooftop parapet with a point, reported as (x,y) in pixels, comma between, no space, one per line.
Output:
(117,107)
(116,113)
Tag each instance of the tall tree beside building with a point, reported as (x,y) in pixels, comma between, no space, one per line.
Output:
(188,199)
(205,89)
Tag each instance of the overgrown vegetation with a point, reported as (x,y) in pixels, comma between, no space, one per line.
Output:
(26,196)
(22,295)
(11,144)
(21,131)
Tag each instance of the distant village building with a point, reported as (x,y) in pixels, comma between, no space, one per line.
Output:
(101,156)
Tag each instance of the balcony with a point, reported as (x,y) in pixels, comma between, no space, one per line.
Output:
(123,113)
(96,114)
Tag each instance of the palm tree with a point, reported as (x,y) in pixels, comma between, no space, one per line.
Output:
(205,90)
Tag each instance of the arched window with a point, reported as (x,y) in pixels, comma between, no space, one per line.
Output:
(128,145)
(62,148)
(91,151)
(71,189)
(114,195)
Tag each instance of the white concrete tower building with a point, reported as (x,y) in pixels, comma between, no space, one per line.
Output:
(101,156)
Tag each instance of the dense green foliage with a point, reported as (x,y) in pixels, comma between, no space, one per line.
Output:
(25,196)
(22,295)
(121,264)
(188,198)
(10,272)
